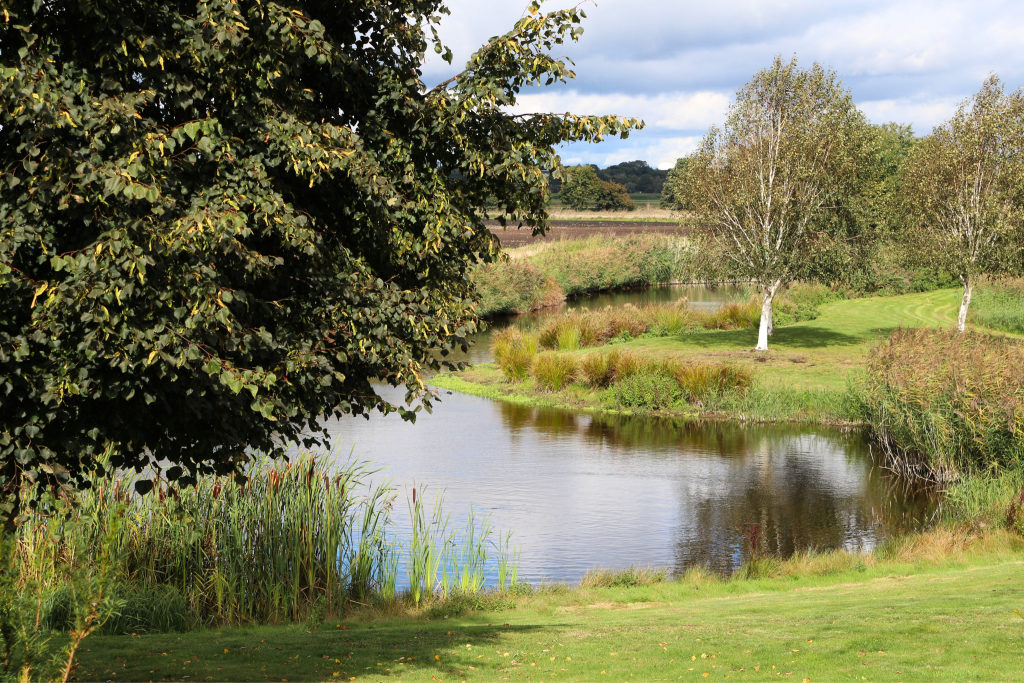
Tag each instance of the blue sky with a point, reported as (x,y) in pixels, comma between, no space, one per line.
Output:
(678,64)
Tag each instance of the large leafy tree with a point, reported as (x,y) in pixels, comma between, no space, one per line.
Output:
(220,220)
(769,181)
(963,188)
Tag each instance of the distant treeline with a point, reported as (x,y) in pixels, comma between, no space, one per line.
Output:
(636,176)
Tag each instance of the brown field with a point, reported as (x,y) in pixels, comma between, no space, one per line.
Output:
(578,229)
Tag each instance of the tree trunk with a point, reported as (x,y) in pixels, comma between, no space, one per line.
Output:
(961,320)
(766,317)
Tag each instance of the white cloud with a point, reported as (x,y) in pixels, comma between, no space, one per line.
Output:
(924,115)
(669,111)
(676,65)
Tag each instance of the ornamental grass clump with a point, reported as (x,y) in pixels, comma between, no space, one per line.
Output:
(944,404)
(701,381)
(514,351)
(598,369)
(555,371)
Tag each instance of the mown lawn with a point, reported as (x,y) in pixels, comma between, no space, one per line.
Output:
(820,353)
(891,623)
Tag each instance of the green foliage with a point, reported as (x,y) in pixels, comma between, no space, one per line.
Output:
(646,390)
(635,177)
(613,197)
(963,189)
(581,187)
(218,224)
(672,194)
(767,184)
(945,404)
(543,275)
(999,306)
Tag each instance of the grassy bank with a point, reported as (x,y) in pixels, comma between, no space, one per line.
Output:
(805,376)
(938,606)
(544,274)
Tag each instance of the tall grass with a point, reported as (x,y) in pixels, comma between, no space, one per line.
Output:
(542,274)
(554,371)
(514,351)
(295,540)
(945,404)
(999,306)
(595,328)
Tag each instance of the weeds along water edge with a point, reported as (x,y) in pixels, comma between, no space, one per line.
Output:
(295,541)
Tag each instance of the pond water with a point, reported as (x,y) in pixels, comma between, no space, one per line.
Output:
(584,491)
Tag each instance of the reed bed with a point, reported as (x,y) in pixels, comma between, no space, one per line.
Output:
(999,306)
(295,541)
(943,405)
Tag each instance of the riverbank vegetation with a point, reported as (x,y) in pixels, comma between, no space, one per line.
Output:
(940,604)
(545,274)
(807,376)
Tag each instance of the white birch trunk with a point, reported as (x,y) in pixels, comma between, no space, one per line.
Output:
(766,317)
(961,320)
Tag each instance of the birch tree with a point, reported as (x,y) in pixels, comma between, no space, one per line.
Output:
(763,184)
(962,188)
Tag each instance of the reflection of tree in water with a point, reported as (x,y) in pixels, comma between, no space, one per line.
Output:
(807,488)
(796,507)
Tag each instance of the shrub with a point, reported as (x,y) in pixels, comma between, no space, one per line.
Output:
(646,390)
(554,371)
(514,351)
(946,404)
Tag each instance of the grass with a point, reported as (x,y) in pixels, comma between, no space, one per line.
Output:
(805,376)
(544,274)
(999,306)
(934,607)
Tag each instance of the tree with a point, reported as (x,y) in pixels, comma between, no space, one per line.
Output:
(221,220)
(671,195)
(764,184)
(580,187)
(962,188)
(613,197)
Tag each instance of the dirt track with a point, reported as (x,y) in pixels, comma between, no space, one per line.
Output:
(574,230)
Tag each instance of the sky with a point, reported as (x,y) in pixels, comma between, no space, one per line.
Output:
(677,65)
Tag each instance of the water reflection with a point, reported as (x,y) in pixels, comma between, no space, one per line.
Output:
(583,491)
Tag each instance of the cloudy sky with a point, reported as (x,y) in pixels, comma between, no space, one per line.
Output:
(677,64)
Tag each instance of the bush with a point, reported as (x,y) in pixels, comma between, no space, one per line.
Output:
(646,390)
(947,404)
(514,351)
(999,306)
(554,371)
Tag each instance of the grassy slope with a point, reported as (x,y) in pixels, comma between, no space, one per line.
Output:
(887,623)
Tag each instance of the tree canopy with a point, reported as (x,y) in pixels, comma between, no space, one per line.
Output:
(221,220)
(792,146)
(963,188)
